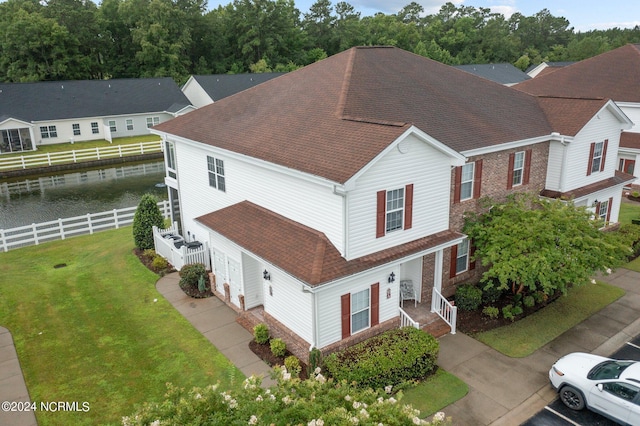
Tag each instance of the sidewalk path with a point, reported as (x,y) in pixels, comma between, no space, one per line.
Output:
(217,322)
(12,385)
(507,391)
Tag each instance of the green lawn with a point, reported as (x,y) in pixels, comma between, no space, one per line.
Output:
(93,330)
(435,393)
(634,265)
(524,337)
(629,211)
(101,143)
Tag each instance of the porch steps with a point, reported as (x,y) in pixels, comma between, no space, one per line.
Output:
(436,327)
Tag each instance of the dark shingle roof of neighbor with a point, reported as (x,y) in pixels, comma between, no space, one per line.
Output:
(219,86)
(614,75)
(333,117)
(500,73)
(53,100)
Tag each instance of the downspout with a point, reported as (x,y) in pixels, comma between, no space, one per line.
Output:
(314,323)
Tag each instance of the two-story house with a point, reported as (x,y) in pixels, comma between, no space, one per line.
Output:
(611,75)
(321,191)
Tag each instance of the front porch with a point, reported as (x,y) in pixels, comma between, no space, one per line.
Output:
(438,317)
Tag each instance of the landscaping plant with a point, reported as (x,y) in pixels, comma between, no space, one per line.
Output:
(146,217)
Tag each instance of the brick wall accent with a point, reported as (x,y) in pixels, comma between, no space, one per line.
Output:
(428,273)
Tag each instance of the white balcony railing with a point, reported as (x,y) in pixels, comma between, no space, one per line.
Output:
(446,310)
(170,245)
(406,321)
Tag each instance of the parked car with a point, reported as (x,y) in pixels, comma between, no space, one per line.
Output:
(607,386)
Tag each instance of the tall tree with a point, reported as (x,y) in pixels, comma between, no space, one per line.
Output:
(319,26)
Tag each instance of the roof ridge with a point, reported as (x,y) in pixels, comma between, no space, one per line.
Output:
(346,82)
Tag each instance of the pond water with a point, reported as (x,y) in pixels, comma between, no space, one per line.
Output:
(41,199)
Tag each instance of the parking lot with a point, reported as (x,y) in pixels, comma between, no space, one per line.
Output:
(556,413)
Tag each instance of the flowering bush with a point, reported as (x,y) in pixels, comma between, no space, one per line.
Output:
(313,402)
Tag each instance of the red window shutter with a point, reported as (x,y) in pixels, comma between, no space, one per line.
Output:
(609,208)
(408,206)
(527,166)
(591,151)
(345,302)
(512,161)
(381,214)
(456,184)
(454,255)
(375,304)
(477,179)
(604,154)
(472,251)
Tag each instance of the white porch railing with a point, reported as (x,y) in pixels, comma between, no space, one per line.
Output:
(170,245)
(406,321)
(60,229)
(79,155)
(444,309)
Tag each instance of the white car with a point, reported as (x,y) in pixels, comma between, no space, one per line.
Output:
(607,386)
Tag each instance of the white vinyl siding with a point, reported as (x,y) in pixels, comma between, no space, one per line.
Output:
(423,166)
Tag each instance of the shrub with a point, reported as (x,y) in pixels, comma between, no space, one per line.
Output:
(507,312)
(146,217)
(149,253)
(540,297)
(491,294)
(388,359)
(630,234)
(261,333)
(529,301)
(278,347)
(491,311)
(292,364)
(159,263)
(315,359)
(468,297)
(190,274)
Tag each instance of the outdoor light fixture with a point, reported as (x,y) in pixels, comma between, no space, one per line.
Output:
(266,275)
(392,277)
(595,202)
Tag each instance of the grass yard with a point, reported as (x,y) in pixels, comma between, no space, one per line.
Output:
(634,265)
(629,211)
(101,143)
(435,393)
(92,331)
(524,337)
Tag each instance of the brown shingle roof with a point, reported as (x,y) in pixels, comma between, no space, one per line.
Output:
(630,140)
(303,252)
(618,179)
(333,117)
(568,115)
(614,75)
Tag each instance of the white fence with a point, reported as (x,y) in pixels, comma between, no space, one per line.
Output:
(61,229)
(79,155)
(170,245)
(444,309)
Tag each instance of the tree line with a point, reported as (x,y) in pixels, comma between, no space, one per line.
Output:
(44,40)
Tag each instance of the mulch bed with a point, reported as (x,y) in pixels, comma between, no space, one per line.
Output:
(264,353)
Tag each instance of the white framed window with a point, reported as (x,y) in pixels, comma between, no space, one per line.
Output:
(518,168)
(596,162)
(76,129)
(152,121)
(395,209)
(216,173)
(603,209)
(95,129)
(48,132)
(360,305)
(462,257)
(129,124)
(112,126)
(466,181)
(170,153)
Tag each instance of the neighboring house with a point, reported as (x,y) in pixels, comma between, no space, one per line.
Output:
(611,75)
(545,68)
(203,90)
(43,113)
(504,73)
(321,191)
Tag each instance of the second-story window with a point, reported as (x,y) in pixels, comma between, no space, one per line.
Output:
(216,173)
(170,154)
(466,182)
(395,209)
(597,157)
(518,168)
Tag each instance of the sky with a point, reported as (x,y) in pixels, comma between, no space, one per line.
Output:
(583,15)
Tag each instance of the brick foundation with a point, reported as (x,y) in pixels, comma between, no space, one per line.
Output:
(360,337)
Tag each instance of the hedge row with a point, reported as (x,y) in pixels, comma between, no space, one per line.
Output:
(390,358)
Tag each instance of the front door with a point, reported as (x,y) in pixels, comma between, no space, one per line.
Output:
(629,166)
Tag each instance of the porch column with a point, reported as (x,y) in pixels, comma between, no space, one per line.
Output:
(437,271)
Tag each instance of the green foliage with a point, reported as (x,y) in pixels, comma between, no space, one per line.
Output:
(491,311)
(292,364)
(146,217)
(315,359)
(159,263)
(491,294)
(202,284)
(560,245)
(261,333)
(278,347)
(386,360)
(468,297)
(190,274)
(630,234)
(529,301)
(291,401)
(507,312)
